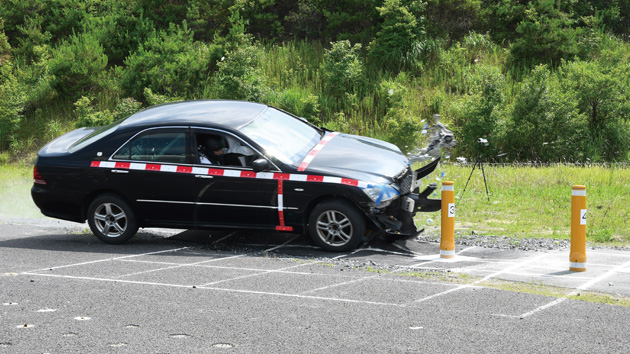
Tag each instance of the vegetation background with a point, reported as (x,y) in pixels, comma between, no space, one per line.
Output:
(544,81)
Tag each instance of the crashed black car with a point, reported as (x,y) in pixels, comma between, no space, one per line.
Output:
(229,164)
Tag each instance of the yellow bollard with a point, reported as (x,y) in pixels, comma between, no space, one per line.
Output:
(577,258)
(447,245)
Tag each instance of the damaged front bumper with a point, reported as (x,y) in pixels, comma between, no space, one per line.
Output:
(396,220)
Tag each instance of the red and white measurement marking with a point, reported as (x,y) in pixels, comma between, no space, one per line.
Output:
(311,154)
(228,173)
(282,226)
(280,177)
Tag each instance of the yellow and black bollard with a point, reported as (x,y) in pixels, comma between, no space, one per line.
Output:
(577,258)
(447,245)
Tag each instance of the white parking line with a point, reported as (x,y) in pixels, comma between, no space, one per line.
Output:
(585,286)
(339,284)
(436,258)
(347,254)
(299,296)
(108,259)
(524,274)
(284,244)
(179,266)
(262,272)
(493,275)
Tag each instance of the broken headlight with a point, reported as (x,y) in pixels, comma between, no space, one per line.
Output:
(381,194)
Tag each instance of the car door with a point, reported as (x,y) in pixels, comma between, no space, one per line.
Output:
(152,172)
(232,194)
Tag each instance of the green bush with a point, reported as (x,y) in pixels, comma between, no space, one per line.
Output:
(301,103)
(600,88)
(5,47)
(77,65)
(126,107)
(398,43)
(121,30)
(480,114)
(401,126)
(342,69)
(12,104)
(238,76)
(306,20)
(545,123)
(168,62)
(88,117)
(452,18)
(153,99)
(546,35)
(353,20)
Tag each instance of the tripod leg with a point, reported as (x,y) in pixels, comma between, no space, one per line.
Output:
(484,178)
(471,173)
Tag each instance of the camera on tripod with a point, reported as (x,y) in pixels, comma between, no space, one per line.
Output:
(479,162)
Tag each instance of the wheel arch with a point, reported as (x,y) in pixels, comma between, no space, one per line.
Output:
(90,197)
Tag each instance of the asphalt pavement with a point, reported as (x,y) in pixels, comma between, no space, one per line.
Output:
(174,291)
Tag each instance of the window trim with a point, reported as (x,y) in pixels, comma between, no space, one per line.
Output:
(185,130)
(194,130)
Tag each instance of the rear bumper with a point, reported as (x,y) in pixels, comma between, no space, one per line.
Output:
(56,205)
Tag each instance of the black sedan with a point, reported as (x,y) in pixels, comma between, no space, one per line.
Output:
(229,164)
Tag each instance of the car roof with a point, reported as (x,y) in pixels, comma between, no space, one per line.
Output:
(232,114)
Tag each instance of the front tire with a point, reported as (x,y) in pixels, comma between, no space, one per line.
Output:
(111,219)
(336,225)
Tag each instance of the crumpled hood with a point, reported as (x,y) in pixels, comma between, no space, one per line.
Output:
(361,158)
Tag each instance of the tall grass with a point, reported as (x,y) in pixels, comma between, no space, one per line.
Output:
(535,202)
(16,181)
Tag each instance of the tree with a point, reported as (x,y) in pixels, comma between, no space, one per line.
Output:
(77,65)
(397,43)
(545,123)
(342,69)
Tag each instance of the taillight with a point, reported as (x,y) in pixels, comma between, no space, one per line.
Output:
(37,178)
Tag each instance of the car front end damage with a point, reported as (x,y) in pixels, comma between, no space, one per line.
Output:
(395,205)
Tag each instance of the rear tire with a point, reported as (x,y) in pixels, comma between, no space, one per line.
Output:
(111,219)
(336,225)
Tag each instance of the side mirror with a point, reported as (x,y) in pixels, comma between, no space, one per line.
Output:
(260,165)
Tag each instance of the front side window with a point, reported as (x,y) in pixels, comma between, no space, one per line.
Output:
(155,147)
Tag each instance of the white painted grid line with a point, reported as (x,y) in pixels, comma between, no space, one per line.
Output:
(108,259)
(299,296)
(439,259)
(526,274)
(284,244)
(339,284)
(493,275)
(179,266)
(584,286)
(233,268)
(263,272)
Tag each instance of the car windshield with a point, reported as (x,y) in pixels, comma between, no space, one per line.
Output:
(286,138)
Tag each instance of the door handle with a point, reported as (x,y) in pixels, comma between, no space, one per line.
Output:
(120,171)
(203,176)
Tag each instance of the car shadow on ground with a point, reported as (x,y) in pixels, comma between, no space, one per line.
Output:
(287,244)
(253,243)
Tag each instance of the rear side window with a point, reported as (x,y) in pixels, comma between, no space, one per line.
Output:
(155,147)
